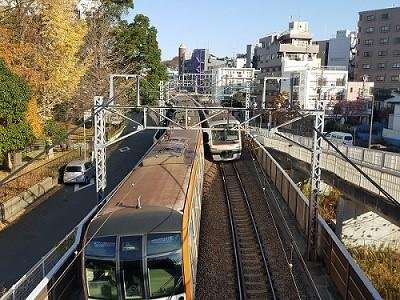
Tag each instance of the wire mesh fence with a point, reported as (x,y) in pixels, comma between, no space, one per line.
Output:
(24,287)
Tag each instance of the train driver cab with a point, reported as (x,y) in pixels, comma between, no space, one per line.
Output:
(134,267)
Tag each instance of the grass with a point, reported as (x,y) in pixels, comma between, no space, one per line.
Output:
(382,267)
(327,201)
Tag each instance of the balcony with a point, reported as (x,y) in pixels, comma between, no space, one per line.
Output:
(312,49)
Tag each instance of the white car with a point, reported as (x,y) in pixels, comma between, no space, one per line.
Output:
(341,138)
(78,171)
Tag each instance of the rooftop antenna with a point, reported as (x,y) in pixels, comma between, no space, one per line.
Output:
(138,205)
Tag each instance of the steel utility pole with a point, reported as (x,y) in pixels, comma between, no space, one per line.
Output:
(263,101)
(315,176)
(100,147)
(138,90)
(247,113)
(112,76)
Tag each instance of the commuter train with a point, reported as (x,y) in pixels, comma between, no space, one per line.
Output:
(143,244)
(224,138)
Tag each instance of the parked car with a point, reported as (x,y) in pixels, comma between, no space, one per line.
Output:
(343,138)
(78,171)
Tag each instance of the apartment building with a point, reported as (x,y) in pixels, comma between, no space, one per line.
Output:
(289,50)
(227,81)
(280,53)
(378,48)
(306,87)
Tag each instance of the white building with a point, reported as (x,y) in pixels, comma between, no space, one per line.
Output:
(229,80)
(287,51)
(239,61)
(342,48)
(357,90)
(306,86)
(392,133)
(279,54)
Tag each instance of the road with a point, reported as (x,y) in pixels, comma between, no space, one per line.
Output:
(26,241)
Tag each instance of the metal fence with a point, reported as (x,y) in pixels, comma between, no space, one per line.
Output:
(388,179)
(375,158)
(347,276)
(24,181)
(35,281)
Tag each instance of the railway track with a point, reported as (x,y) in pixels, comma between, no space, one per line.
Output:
(253,274)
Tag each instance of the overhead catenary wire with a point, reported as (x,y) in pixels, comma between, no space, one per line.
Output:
(366,176)
(286,226)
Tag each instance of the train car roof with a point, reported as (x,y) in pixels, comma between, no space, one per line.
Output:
(159,184)
(220,118)
(135,221)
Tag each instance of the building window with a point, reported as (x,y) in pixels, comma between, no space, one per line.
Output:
(380,78)
(371,18)
(351,90)
(368,77)
(340,82)
(396,66)
(382,53)
(397,40)
(366,66)
(384,41)
(367,54)
(368,42)
(396,52)
(394,78)
(385,16)
(370,30)
(381,65)
(385,29)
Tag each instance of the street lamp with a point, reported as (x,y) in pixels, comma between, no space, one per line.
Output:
(365,79)
(371,122)
(86,116)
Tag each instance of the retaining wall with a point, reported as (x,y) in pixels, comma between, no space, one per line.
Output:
(388,179)
(349,279)
(12,207)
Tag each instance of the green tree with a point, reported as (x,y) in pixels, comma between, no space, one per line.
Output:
(15,132)
(53,131)
(99,43)
(237,100)
(136,45)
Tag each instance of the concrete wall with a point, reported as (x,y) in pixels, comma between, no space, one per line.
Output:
(349,279)
(357,225)
(387,179)
(12,207)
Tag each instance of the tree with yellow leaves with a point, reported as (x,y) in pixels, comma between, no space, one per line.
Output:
(21,57)
(64,34)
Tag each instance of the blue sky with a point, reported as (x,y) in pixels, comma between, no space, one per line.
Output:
(226,27)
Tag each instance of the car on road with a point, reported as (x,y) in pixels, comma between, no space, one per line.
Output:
(78,171)
(341,138)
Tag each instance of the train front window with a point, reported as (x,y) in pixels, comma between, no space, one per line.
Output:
(132,267)
(101,247)
(165,275)
(164,270)
(158,243)
(226,135)
(101,279)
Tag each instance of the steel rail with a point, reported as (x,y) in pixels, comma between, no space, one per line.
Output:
(235,244)
(254,225)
